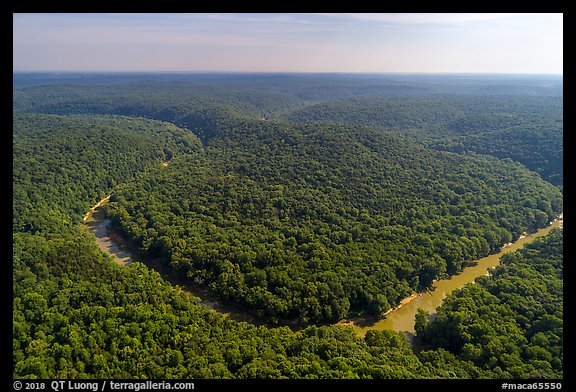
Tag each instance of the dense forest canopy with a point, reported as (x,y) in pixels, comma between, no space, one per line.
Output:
(78,315)
(302,198)
(312,222)
(504,126)
(61,164)
(498,115)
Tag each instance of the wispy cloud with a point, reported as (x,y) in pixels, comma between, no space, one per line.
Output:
(424,18)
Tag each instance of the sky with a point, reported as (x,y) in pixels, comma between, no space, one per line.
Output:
(367,42)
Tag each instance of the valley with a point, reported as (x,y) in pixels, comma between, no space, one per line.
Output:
(287,203)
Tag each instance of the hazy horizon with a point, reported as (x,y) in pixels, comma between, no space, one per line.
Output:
(522,44)
(392,73)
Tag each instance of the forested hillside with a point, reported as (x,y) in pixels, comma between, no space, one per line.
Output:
(310,223)
(527,129)
(499,116)
(78,315)
(304,199)
(62,164)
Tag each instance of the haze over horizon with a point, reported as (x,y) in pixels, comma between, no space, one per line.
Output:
(355,43)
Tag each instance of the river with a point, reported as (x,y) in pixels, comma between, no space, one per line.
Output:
(97,224)
(401,318)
